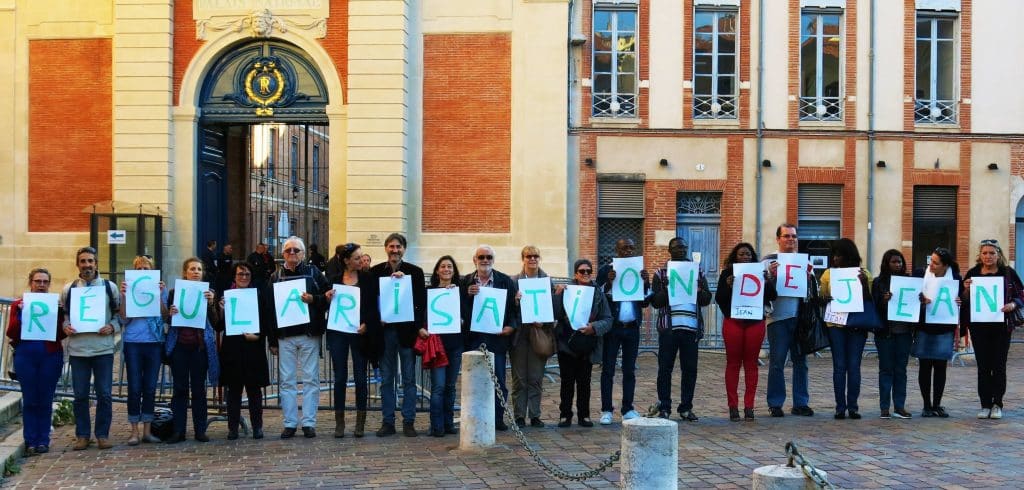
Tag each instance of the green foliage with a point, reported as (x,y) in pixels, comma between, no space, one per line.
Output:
(11,467)
(63,414)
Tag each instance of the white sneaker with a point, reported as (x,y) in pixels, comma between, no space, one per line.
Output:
(630,415)
(997,412)
(606,418)
(985,413)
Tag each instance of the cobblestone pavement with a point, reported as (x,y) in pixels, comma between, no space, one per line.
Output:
(953,453)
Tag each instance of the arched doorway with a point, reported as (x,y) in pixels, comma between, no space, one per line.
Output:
(262,149)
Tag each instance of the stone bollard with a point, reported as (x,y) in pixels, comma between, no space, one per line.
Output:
(782,477)
(477,403)
(650,454)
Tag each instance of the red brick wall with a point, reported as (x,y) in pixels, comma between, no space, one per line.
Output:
(688,63)
(793,111)
(588,198)
(185,44)
(909,69)
(467,95)
(69,165)
(336,42)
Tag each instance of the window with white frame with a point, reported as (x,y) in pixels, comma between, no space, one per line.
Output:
(714,63)
(935,99)
(615,82)
(821,45)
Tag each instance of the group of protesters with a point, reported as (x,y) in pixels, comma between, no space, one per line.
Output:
(605,329)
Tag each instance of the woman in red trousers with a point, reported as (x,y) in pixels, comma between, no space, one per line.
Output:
(743,338)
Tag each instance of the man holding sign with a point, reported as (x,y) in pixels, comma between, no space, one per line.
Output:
(299,344)
(680,328)
(92,304)
(488,305)
(399,336)
(781,329)
(39,357)
(627,315)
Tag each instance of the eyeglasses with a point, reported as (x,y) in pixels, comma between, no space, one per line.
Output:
(531,257)
(293,250)
(40,281)
(585,272)
(243,274)
(787,236)
(484,257)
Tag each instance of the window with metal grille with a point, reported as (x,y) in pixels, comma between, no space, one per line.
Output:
(620,213)
(614,60)
(935,94)
(714,63)
(934,222)
(294,156)
(819,217)
(821,45)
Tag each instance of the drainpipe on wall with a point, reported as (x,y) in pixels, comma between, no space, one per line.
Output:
(871,132)
(760,121)
(572,214)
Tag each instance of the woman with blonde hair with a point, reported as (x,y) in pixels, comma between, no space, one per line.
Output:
(143,339)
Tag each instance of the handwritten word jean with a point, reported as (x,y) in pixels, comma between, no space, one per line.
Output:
(847,345)
(38,364)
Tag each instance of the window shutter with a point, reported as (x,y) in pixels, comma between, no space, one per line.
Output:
(820,201)
(620,199)
(934,203)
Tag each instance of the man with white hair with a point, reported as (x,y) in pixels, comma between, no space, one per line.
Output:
(486,276)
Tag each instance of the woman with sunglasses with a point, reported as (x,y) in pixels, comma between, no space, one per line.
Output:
(365,346)
(933,342)
(893,341)
(143,339)
(243,359)
(577,356)
(992,339)
(527,366)
(38,364)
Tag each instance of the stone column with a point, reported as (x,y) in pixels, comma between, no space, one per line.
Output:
(650,454)
(782,477)
(477,405)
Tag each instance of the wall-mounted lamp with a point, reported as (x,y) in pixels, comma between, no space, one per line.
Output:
(326,199)
(663,162)
(766,163)
(263,187)
(993,166)
(295,192)
(589,162)
(880,164)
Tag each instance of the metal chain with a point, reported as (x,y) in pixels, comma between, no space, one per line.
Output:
(809,470)
(547,466)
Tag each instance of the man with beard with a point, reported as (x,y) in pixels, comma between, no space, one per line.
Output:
(91,355)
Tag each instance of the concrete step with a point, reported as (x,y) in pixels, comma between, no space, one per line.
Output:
(13,445)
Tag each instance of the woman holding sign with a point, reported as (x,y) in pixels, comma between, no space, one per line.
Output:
(847,344)
(581,327)
(442,401)
(143,339)
(243,354)
(933,342)
(743,338)
(341,339)
(527,363)
(991,338)
(37,362)
(193,352)
(894,339)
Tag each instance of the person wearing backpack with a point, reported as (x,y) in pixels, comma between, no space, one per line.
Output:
(91,354)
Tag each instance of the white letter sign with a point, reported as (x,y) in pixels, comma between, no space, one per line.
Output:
(343,315)
(791,276)
(748,291)
(396,300)
(191,303)
(844,285)
(288,303)
(142,295)
(241,311)
(628,285)
(444,314)
(488,310)
(578,301)
(39,316)
(682,282)
(536,304)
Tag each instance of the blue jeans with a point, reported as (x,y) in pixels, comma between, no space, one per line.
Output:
(627,338)
(893,354)
(188,367)
(499,346)
(681,343)
(101,370)
(847,350)
(442,390)
(339,344)
(781,345)
(38,372)
(142,360)
(395,355)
